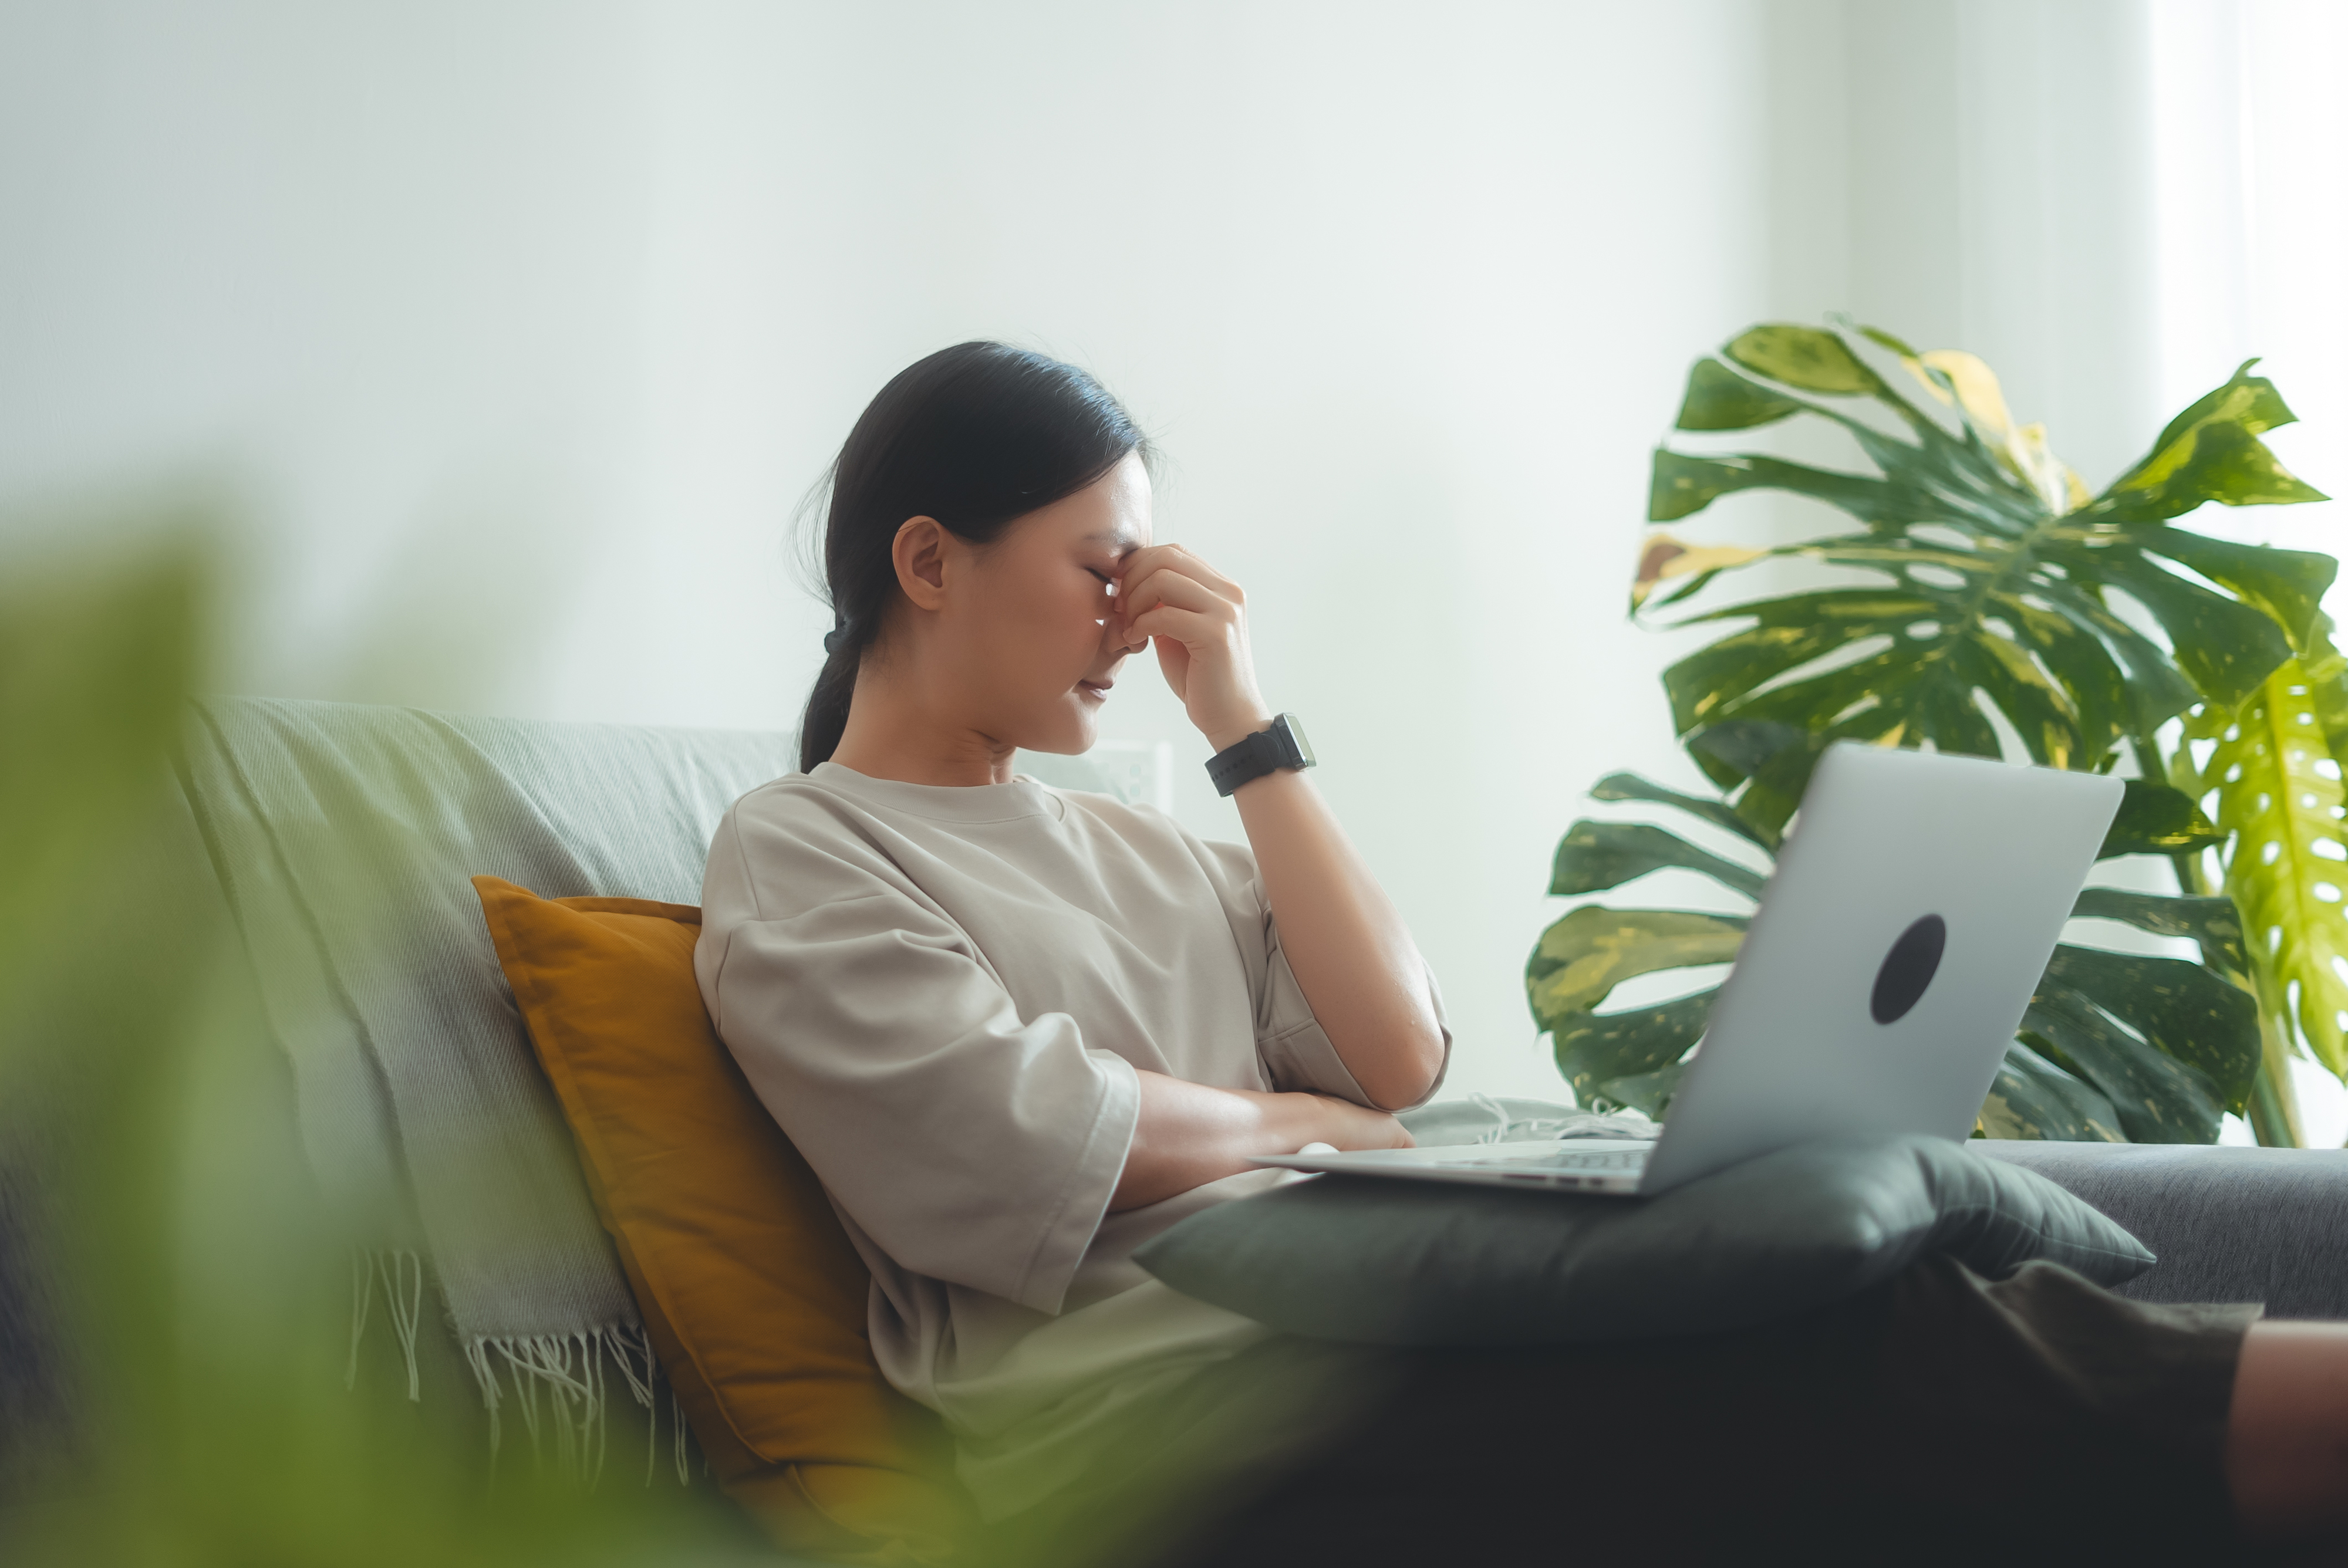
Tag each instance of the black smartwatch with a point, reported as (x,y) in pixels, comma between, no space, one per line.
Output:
(1266,750)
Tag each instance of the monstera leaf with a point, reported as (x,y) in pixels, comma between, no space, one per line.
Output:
(2277,795)
(2115,1046)
(1990,577)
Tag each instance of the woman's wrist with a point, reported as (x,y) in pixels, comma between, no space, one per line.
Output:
(1291,1120)
(1297,1119)
(1224,736)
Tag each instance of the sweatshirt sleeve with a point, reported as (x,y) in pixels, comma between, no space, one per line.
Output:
(1294,1049)
(970,1145)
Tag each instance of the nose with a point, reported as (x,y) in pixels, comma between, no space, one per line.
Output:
(1119,638)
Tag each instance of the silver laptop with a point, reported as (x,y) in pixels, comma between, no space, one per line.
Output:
(1914,908)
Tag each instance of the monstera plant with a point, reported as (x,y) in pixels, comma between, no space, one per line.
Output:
(1981,600)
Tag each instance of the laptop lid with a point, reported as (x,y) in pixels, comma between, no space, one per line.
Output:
(1913,910)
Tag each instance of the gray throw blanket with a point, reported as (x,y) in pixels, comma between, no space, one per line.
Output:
(344,837)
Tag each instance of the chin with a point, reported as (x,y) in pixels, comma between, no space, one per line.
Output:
(1069,732)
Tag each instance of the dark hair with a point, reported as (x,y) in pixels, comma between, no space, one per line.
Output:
(976,435)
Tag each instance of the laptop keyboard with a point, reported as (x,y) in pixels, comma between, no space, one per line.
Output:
(1616,1160)
(1570,1160)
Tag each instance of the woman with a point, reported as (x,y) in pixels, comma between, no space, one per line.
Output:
(1018,1031)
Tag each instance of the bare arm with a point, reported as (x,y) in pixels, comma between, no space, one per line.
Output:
(1352,958)
(1351,953)
(1189,1135)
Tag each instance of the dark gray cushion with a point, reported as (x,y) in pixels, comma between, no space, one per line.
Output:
(1384,1262)
(2230,1223)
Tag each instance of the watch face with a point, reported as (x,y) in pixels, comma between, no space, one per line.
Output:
(1295,729)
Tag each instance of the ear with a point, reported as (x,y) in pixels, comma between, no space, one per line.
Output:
(920,553)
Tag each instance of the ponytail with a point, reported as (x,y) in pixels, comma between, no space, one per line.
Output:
(825,719)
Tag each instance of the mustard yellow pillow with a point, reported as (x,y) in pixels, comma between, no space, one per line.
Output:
(752,1295)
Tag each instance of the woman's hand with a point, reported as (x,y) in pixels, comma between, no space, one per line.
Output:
(1342,1124)
(1198,619)
(1187,1134)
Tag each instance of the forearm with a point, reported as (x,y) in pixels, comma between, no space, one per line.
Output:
(1356,964)
(1352,955)
(1189,1135)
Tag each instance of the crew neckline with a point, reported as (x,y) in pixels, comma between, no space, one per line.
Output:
(966,804)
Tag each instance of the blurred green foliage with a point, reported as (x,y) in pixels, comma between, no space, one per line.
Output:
(170,1278)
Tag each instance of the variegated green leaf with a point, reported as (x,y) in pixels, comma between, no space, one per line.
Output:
(2279,793)
(1630,786)
(2033,1098)
(1594,1048)
(1647,1092)
(2157,819)
(1593,949)
(2287,585)
(2327,685)
(1720,399)
(2214,923)
(1993,597)
(2211,452)
(2171,1045)
(1801,356)
(1596,856)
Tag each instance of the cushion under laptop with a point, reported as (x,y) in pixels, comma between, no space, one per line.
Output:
(1398,1263)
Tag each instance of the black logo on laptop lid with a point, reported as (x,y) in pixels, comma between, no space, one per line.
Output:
(1908,970)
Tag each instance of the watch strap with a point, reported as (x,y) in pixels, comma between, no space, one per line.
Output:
(1282,745)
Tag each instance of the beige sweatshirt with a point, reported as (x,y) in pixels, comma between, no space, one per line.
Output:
(942,995)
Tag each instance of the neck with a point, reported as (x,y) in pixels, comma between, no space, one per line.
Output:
(894,733)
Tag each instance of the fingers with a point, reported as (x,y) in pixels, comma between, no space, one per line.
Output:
(1138,566)
(1197,617)
(1166,586)
(1190,628)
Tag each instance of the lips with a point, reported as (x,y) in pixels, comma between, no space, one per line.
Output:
(1096,689)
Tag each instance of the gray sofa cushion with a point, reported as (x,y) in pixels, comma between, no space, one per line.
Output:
(1405,1263)
(2228,1223)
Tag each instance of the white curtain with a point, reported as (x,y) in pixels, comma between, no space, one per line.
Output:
(2251,152)
(2250,149)
(2112,201)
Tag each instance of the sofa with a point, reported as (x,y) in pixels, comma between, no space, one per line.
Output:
(341,839)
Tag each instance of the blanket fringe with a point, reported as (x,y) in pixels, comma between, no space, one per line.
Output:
(401,1274)
(560,1383)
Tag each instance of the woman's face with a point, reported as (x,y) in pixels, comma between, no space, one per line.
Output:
(1033,644)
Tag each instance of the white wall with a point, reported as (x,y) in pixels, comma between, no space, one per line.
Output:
(525,325)
(383,266)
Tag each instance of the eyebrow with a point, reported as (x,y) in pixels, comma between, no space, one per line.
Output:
(1120,538)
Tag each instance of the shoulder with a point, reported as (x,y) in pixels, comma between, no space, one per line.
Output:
(1145,827)
(791,845)
(793,799)
(1158,837)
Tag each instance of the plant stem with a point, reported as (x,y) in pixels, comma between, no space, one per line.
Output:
(2274,1106)
(2274,1100)
(2192,880)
